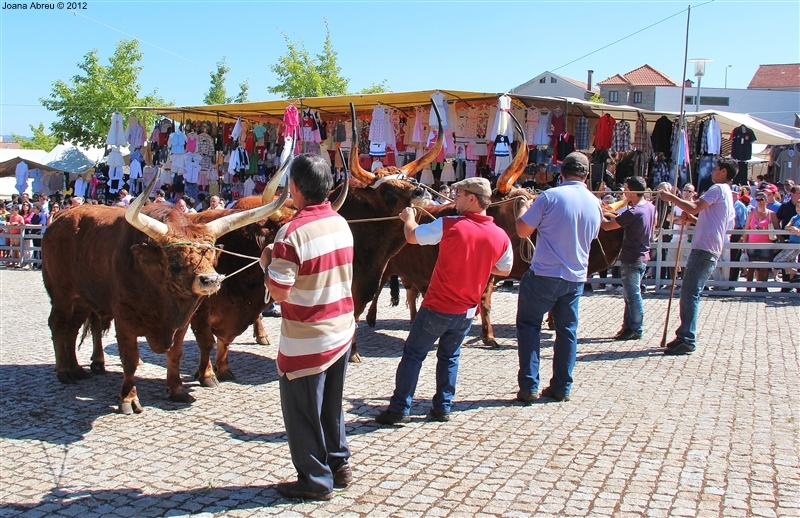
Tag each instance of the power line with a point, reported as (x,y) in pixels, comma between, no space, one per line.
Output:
(628,36)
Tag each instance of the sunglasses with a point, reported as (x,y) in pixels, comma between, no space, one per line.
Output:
(761,199)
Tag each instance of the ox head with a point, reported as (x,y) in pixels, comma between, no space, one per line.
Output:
(183,255)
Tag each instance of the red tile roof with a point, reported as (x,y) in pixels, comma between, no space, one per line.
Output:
(645,75)
(614,80)
(776,76)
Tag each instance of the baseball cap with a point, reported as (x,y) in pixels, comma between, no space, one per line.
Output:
(771,187)
(474,185)
(575,162)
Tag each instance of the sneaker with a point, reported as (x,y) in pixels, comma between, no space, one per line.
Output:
(627,334)
(550,394)
(679,349)
(526,396)
(389,417)
(438,415)
(294,490)
(343,477)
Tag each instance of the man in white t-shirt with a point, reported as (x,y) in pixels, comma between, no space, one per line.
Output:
(713,215)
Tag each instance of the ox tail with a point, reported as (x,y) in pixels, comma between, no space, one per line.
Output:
(394,290)
(92,323)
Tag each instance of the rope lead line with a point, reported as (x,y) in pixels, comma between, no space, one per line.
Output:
(206,245)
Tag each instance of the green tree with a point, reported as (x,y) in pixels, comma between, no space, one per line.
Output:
(85,104)
(216,93)
(376,88)
(595,98)
(302,75)
(244,87)
(40,140)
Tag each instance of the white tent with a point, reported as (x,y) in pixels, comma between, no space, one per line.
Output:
(770,135)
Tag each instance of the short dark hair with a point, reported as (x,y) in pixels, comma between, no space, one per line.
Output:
(311,176)
(730,166)
(637,184)
(483,201)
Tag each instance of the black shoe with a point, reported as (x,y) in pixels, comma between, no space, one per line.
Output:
(679,349)
(673,343)
(271,313)
(796,278)
(343,477)
(627,334)
(294,490)
(438,415)
(548,393)
(389,417)
(526,396)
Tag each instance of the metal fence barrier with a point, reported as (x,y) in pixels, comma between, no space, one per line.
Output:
(23,250)
(659,277)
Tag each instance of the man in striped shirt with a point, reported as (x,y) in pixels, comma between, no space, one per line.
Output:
(310,273)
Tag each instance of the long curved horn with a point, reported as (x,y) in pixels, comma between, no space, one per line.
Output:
(222,226)
(151,227)
(336,205)
(275,181)
(358,172)
(517,166)
(419,164)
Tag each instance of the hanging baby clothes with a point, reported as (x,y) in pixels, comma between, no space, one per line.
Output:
(427,176)
(236,131)
(116,133)
(532,116)
(291,121)
(115,158)
(542,135)
(191,142)
(558,121)
(323,152)
(134,135)
(21,175)
(713,137)
(448,172)
(438,99)
(417,135)
(502,120)
(377,132)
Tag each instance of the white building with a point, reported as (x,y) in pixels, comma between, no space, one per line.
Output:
(548,84)
(773,105)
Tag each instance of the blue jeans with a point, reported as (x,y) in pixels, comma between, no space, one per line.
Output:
(698,269)
(631,277)
(537,296)
(428,326)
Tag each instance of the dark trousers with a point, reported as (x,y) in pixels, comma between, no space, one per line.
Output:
(314,421)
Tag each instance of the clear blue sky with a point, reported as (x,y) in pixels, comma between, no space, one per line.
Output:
(473,46)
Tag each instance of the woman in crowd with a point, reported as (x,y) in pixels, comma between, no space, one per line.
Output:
(759,219)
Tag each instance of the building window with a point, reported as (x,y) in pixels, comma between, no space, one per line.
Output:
(715,101)
(543,80)
(613,97)
(553,80)
(689,99)
(637,97)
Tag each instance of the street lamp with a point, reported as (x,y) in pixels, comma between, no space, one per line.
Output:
(726,75)
(699,72)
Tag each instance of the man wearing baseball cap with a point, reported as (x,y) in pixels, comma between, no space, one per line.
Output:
(471,248)
(566,219)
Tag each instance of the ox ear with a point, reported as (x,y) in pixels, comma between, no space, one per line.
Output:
(147,254)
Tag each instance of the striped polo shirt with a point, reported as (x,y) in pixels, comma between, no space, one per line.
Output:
(313,258)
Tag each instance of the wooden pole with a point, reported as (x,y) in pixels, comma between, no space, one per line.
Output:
(675,183)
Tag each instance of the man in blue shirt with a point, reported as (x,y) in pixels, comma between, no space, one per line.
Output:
(566,219)
(740,218)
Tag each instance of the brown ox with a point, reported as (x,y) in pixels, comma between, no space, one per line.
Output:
(414,264)
(140,267)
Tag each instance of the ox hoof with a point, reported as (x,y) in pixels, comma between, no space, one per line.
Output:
(181,397)
(66,378)
(371,319)
(491,343)
(226,375)
(130,407)
(98,368)
(210,382)
(355,357)
(262,340)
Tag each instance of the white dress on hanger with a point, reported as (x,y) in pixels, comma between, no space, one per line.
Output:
(427,176)
(448,172)
(116,133)
(542,137)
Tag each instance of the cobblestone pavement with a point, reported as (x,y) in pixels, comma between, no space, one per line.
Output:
(713,434)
